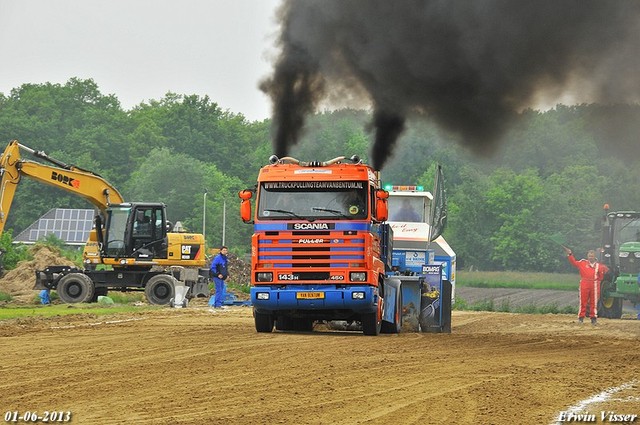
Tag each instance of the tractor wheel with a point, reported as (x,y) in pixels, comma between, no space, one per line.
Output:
(263,321)
(160,289)
(608,307)
(75,288)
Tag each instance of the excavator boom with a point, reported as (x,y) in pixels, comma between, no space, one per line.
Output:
(85,184)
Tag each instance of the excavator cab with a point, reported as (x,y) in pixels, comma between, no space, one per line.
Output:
(135,230)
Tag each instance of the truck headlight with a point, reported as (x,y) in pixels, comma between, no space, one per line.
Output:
(264,277)
(636,254)
(358,276)
(623,254)
(262,295)
(357,295)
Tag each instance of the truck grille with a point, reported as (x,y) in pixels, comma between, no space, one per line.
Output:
(310,255)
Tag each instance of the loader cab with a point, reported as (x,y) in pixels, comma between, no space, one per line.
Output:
(136,230)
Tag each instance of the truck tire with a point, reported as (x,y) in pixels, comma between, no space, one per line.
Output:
(75,288)
(264,322)
(372,322)
(284,323)
(303,325)
(445,302)
(160,289)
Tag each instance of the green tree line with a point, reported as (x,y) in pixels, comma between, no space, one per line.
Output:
(551,173)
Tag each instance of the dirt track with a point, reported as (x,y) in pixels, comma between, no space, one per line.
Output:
(192,366)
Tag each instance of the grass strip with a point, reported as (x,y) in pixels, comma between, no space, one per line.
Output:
(506,307)
(518,280)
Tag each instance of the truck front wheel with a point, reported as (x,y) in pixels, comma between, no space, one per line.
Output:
(75,288)
(264,322)
(372,322)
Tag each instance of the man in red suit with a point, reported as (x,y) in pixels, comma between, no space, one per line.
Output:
(591,274)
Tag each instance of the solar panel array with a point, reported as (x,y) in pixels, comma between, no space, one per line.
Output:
(70,225)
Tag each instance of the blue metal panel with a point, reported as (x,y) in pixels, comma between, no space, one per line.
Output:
(269,227)
(339,248)
(445,262)
(391,293)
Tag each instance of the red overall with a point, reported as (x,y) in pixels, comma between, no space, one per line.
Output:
(590,277)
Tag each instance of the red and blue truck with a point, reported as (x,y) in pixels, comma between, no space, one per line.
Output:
(321,248)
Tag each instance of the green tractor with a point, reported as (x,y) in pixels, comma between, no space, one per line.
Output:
(621,253)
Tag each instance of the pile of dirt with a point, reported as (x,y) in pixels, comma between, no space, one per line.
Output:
(239,270)
(19,282)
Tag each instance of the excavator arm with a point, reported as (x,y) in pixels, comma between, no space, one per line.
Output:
(83,183)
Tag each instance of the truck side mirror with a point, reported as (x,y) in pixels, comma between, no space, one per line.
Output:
(382,210)
(245,205)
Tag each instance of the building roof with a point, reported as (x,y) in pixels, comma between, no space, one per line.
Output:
(70,225)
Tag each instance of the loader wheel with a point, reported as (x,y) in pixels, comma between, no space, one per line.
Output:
(264,322)
(75,288)
(98,292)
(160,290)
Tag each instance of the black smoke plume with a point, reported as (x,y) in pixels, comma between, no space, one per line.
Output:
(469,65)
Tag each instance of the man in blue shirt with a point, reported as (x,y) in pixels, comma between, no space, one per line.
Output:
(219,273)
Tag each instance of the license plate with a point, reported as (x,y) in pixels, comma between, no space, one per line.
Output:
(310,295)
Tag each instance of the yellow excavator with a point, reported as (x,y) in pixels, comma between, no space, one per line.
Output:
(131,247)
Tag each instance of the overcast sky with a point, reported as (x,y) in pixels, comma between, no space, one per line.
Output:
(139,50)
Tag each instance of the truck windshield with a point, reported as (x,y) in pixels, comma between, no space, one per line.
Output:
(407,209)
(313,201)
